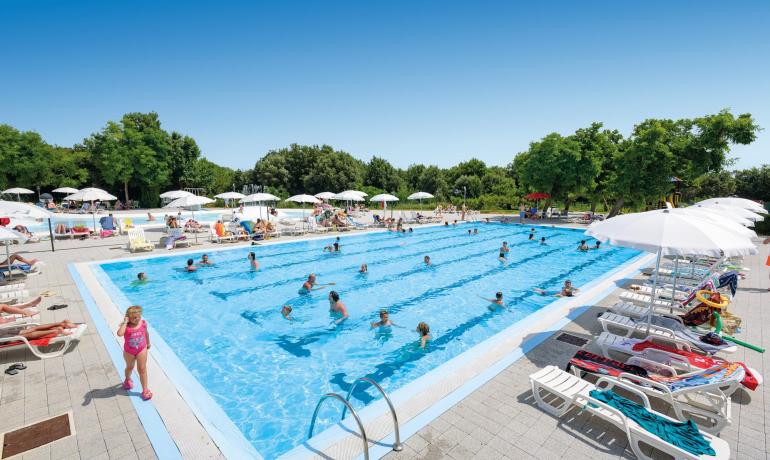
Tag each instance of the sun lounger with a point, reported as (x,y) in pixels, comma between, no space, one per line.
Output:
(220,239)
(20,320)
(674,353)
(314,227)
(552,385)
(661,326)
(702,394)
(137,241)
(13,296)
(36,345)
(11,287)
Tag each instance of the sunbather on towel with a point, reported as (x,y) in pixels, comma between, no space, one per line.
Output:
(14,310)
(43,330)
(17,258)
(23,230)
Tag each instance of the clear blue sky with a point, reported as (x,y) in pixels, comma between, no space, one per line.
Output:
(411,81)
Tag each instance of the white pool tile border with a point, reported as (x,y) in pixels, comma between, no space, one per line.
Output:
(185,400)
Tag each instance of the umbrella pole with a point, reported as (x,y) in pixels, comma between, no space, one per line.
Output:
(673,288)
(8,260)
(654,289)
(192,212)
(50,232)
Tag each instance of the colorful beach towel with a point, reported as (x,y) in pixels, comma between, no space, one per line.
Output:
(684,435)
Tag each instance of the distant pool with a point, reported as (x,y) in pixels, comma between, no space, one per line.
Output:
(267,373)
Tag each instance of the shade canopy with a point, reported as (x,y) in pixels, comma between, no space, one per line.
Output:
(537,196)
(303,199)
(230,196)
(8,236)
(257,197)
(357,192)
(732,210)
(348,195)
(419,196)
(383,197)
(723,216)
(188,201)
(174,194)
(67,190)
(91,194)
(735,225)
(23,210)
(18,191)
(735,201)
(324,195)
(671,233)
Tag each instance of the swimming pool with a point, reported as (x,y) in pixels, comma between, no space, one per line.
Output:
(267,373)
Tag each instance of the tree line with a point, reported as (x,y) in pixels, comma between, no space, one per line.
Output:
(136,159)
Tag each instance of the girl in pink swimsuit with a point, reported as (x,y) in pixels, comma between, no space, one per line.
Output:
(136,348)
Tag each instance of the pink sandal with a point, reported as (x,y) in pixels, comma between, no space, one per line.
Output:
(147,395)
(128,384)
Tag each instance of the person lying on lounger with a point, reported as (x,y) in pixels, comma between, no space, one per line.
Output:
(14,258)
(19,309)
(43,330)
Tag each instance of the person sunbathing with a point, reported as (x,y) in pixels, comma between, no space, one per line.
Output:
(23,230)
(43,330)
(14,258)
(20,309)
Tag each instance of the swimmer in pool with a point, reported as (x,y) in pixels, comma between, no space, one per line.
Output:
(384,320)
(337,308)
(333,247)
(424,331)
(253,261)
(446,223)
(364,269)
(598,245)
(426,259)
(286,312)
(542,241)
(566,291)
(475,231)
(411,230)
(310,284)
(470,232)
(504,250)
(205,260)
(531,237)
(583,247)
(498,300)
(190,266)
(141,277)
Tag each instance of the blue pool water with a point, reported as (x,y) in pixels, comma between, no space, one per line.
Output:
(267,373)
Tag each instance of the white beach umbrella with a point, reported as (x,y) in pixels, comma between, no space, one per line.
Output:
(190,202)
(67,190)
(230,196)
(174,194)
(420,196)
(348,195)
(8,236)
(357,192)
(713,213)
(18,191)
(732,210)
(324,195)
(666,232)
(91,194)
(19,210)
(384,198)
(303,199)
(735,201)
(259,198)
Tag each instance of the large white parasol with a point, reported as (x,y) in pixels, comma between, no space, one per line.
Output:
(384,198)
(8,236)
(735,201)
(190,202)
(91,194)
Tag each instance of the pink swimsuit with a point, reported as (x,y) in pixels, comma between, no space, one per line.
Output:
(136,339)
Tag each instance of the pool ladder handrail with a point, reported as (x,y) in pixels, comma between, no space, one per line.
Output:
(397,446)
(352,411)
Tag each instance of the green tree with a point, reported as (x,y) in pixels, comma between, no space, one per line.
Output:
(413,176)
(712,184)
(183,154)
(753,183)
(604,146)
(471,185)
(381,174)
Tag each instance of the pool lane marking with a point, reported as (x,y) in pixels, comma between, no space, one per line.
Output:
(162,443)
(334,434)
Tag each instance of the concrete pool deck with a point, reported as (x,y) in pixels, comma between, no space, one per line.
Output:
(489,422)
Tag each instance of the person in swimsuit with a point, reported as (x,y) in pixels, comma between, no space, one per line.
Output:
(504,249)
(542,241)
(598,245)
(531,237)
(286,312)
(43,330)
(475,231)
(18,309)
(424,331)
(498,300)
(337,308)
(141,277)
(205,260)
(364,269)
(17,258)
(333,247)
(566,291)
(583,247)
(310,284)
(135,348)
(384,320)
(426,259)
(190,266)
(253,261)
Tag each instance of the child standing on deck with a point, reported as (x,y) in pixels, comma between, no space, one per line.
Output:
(136,348)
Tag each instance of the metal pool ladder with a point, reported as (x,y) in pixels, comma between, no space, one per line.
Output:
(397,446)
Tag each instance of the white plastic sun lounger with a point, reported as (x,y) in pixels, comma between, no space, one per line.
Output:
(643,299)
(705,402)
(629,326)
(20,320)
(11,287)
(552,385)
(13,296)
(640,311)
(19,343)
(610,343)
